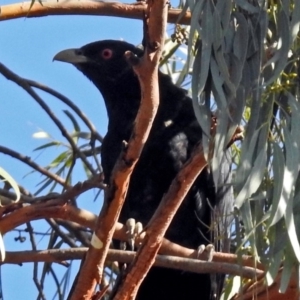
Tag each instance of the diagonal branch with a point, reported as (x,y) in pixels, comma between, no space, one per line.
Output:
(160,222)
(147,71)
(158,225)
(64,99)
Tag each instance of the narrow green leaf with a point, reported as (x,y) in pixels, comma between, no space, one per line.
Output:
(196,9)
(218,83)
(247,160)
(232,288)
(47,182)
(246,216)
(224,9)
(294,163)
(82,135)
(236,112)
(55,143)
(289,177)
(281,55)
(245,5)
(295,22)
(73,120)
(274,264)
(291,229)
(278,166)
(206,48)
(219,55)
(288,265)
(254,179)
(241,38)
(12,182)
(2,248)
(59,159)
(170,48)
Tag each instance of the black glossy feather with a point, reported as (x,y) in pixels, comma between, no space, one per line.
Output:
(174,134)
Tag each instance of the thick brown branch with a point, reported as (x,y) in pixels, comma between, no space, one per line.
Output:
(160,222)
(163,216)
(93,8)
(147,71)
(56,208)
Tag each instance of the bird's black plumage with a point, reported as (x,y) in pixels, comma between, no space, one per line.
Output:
(173,136)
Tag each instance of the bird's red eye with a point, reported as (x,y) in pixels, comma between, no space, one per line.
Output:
(106,53)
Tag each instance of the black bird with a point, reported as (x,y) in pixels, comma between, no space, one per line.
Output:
(173,136)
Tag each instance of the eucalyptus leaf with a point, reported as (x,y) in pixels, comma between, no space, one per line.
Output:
(278,166)
(288,264)
(295,22)
(245,5)
(274,264)
(224,8)
(47,145)
(281,55)
(7,177)
(73,120)
(254,178)
(2,248)
(289,177)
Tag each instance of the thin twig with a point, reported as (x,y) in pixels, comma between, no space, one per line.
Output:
(32,164)
(79,232)
(65,238)
(22,82)
(71,104)
(57,283)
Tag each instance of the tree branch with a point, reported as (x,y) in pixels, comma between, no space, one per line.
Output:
(50,206)
(72,105)
(54,208)
(93,8)
(147,71)
(173,262)
(22,82)
(32,164)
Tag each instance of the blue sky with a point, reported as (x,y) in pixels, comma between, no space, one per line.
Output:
(27,47)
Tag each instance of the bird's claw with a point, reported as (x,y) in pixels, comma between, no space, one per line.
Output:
(209,249)
(130,225)
(133,230)
(138,228)
(200,250)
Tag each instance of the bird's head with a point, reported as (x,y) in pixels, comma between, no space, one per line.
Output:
(103,62)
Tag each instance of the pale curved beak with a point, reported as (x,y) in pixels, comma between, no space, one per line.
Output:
(72,56)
